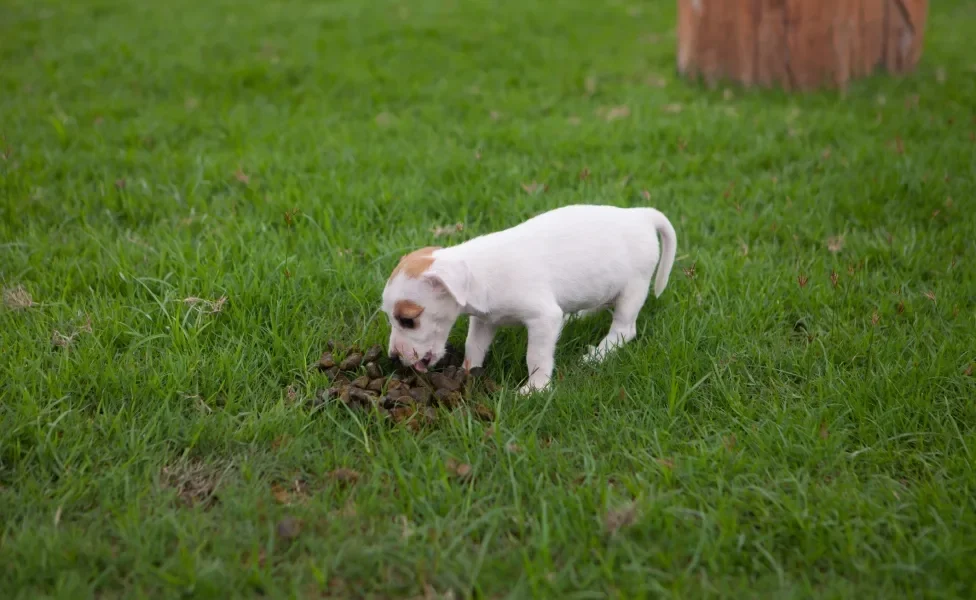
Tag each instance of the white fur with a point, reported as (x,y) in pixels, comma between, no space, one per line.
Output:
(573,260)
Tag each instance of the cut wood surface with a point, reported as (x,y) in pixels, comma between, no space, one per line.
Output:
(798,44)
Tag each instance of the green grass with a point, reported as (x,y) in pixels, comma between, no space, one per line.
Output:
(770,432)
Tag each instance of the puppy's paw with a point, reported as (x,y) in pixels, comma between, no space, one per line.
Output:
(533,387)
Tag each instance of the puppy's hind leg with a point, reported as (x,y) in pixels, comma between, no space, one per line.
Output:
(624,326)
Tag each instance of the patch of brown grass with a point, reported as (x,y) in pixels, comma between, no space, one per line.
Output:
(195,482)
(835,244)
(17,298)
(294,492)
(620,518)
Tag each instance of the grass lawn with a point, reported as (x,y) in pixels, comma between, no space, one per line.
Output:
(796,418)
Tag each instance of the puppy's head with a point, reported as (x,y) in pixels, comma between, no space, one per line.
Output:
(423,298)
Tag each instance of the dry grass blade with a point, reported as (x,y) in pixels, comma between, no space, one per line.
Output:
(617,112)
(657,81)
(534,187)
(61,340)
(590,85)
(206,306)
(65,340)
(439,231)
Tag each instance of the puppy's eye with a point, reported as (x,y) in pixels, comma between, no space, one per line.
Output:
(406,322)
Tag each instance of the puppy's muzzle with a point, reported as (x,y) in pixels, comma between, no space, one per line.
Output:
(420,365)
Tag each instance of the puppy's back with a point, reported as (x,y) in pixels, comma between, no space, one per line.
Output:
(582,253)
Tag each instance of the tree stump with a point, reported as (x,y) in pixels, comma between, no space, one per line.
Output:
(798,44)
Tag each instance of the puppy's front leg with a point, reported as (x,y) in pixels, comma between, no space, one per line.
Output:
(543,334)
(480,335)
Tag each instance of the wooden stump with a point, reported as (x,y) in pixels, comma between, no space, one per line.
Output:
(798,44)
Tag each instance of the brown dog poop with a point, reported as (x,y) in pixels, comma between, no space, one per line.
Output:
(364,380)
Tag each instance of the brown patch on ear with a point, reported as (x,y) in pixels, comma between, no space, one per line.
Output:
(407,309)
(414,264)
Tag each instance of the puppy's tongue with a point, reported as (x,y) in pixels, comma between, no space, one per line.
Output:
(420,366)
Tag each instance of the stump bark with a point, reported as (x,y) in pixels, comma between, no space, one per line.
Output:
(798,44)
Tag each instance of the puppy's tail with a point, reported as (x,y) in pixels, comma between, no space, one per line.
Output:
(669,246)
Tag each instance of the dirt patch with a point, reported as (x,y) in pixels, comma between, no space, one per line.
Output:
(368,380)
(288,528)
(344,476)
(290,492)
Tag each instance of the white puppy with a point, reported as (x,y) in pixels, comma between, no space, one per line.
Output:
(573,260)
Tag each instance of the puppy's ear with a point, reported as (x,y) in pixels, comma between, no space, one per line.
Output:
(454,277)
